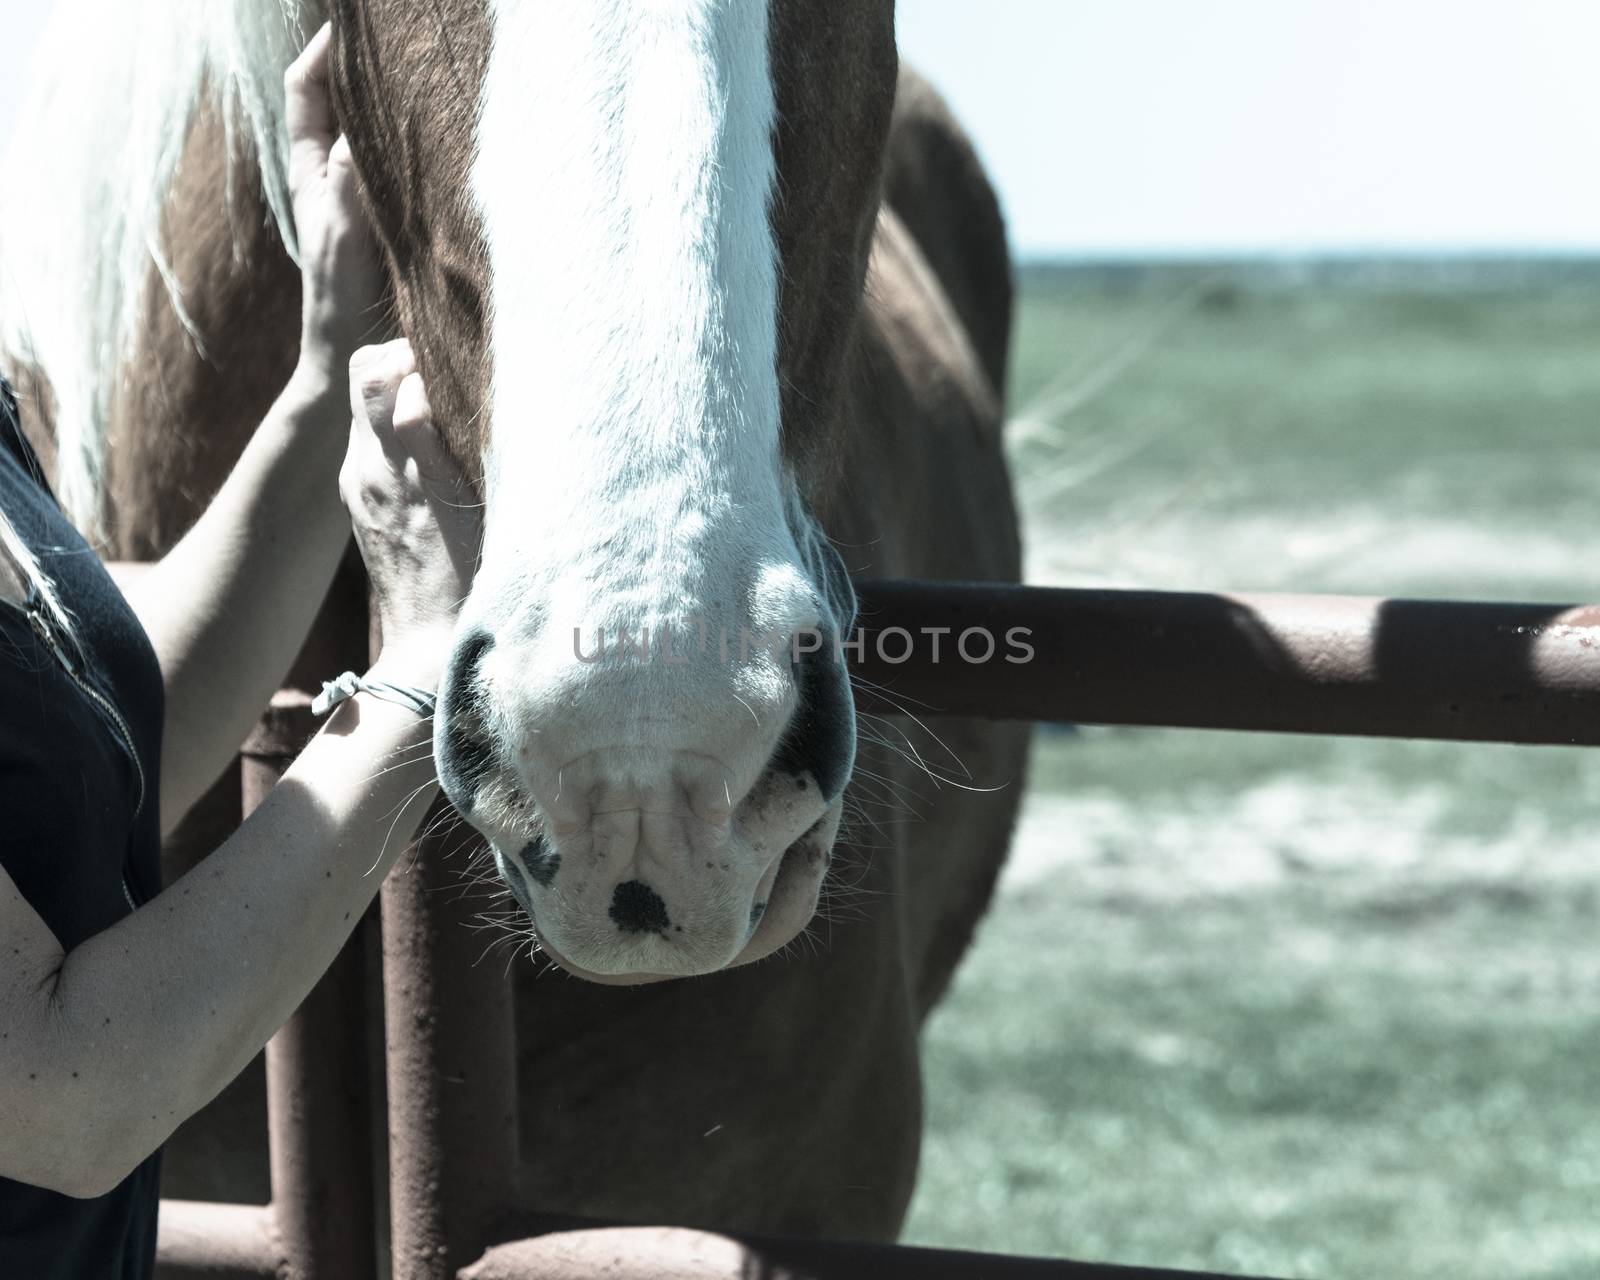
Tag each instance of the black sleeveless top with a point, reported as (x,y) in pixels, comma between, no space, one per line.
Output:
(80,746)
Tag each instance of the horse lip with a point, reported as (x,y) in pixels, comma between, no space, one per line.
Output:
(756,946)
(603,979)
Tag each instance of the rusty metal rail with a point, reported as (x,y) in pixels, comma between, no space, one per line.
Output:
(322,1215)
(1527,673)
(1492,672)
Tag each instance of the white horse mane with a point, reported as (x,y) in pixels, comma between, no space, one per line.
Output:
(115,86)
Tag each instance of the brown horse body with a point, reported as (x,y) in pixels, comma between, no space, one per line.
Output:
(781,1097)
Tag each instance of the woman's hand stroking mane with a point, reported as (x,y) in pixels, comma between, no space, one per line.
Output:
(341,278)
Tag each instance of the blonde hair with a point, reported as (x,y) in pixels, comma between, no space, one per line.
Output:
(27,564)
(80,241)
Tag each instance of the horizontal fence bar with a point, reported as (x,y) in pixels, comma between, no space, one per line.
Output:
(1471,671)
(1524,673)
(675,1253)
(197,1240)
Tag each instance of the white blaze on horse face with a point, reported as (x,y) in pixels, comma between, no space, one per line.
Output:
(633,480)
(623,177)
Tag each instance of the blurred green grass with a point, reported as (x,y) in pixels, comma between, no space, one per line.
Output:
(1292,1006)
(1355,415)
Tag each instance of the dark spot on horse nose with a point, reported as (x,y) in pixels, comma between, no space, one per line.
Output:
(541,860)
(637,908)
(757,910)
(468,754)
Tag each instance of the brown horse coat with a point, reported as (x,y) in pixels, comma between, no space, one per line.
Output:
(781,1097)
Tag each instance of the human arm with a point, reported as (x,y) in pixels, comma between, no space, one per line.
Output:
(106,1048)
(227,609)
(109,1047)
(229,606)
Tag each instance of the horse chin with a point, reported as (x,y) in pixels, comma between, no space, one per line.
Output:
(790,907)
(601,979)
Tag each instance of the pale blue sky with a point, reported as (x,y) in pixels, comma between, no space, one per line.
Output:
(1245,125)
(1278,124)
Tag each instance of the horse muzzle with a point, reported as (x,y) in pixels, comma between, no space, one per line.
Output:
(652,823)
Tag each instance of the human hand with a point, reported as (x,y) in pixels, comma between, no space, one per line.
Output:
(341,278)
(415,518)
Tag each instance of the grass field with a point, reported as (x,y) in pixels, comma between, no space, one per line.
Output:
(1298,1007)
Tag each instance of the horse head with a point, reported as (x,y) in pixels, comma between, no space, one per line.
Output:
(628,240)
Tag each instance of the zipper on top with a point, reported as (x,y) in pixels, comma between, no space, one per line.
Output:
(47,633)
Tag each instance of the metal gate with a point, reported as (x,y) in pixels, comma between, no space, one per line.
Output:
(1307,664)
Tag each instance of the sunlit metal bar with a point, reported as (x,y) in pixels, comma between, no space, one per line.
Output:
(1526,673)
(671,1253)
(217,1242)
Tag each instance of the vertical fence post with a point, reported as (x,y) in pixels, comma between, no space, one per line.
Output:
(317,1074)
(451,1061)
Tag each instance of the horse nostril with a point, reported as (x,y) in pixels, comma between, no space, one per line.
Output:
(468,754)
(464,662)
(820,739)
(541,860)
(637,908)
(514,882)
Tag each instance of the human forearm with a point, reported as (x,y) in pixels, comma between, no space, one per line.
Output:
(233,601)
(230,605)
(141,1025)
